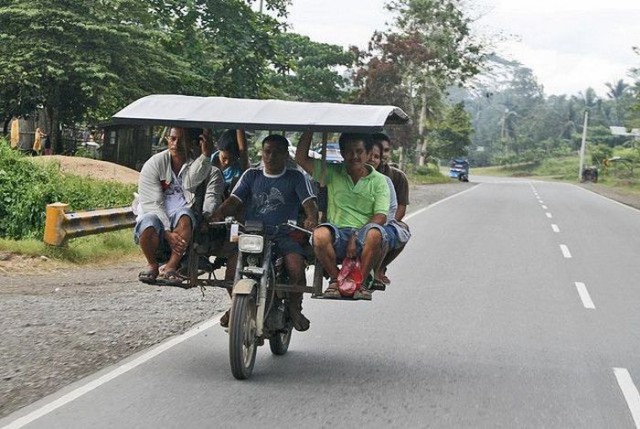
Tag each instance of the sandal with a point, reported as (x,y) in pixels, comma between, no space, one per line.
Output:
(377,284)
(373,283)
(170,278)
(363,294)
(332,292)
(148,276)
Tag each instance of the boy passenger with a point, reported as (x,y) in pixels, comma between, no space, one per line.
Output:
(358,202)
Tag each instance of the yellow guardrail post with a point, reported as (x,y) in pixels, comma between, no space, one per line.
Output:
(53,233)
(61,226)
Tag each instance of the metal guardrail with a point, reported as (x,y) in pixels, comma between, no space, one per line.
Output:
(61,225)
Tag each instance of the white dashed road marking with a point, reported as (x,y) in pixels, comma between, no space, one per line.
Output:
(584,296)
(565,251)
(549,215)
(555,228)
(630,393)
(545,207)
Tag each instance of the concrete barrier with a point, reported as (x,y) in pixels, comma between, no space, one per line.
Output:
(61,225)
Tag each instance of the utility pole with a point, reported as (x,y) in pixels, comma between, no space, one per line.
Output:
(503,131)
(584,144)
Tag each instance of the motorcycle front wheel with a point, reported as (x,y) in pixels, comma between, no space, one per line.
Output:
(242,336)
(279,343)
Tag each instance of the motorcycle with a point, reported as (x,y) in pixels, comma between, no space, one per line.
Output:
(260,299)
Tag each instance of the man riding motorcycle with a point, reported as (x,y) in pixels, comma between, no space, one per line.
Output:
(273,194)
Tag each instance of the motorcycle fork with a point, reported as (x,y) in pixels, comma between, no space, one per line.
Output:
(262,290)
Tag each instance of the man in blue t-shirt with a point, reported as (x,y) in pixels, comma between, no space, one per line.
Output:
(273,194)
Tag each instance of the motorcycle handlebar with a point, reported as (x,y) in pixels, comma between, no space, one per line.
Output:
(292,224)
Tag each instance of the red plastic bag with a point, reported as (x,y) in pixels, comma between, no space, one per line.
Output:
(350,277)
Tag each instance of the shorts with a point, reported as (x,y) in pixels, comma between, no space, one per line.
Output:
(285,245)
(151,220)
(398,234)
(341,238)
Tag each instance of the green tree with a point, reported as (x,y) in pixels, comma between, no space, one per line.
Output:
(431,48)
(308,71)
(67,57)
(452,136)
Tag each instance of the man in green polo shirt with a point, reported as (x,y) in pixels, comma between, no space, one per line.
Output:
(358,202)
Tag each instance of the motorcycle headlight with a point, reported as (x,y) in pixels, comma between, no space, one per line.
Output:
(248,243)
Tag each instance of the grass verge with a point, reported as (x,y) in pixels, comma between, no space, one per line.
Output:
(94,249)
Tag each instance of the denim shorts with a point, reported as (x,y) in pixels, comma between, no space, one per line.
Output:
(392,236)
(341,238)
(151,220)
(398,234)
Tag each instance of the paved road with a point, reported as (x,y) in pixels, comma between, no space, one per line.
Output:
(514,305)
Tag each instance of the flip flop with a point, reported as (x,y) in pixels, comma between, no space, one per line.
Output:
(377,284)
(148,276)
(170,278)
(332,292)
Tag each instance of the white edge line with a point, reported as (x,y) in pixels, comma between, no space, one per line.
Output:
(565,250)
(125,367)
(630,393)
(424,209)
(584,296)
(555,227)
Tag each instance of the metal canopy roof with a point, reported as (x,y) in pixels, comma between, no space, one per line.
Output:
(221,112)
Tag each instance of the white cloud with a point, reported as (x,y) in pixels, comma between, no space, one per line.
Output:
(572,44)
(569,44)
(341,22)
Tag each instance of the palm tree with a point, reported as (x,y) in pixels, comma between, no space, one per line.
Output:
(616,92)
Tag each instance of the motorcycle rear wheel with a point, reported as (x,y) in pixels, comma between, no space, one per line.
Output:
(242,336)
(279,343)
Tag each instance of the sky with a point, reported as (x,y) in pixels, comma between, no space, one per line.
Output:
(569,44)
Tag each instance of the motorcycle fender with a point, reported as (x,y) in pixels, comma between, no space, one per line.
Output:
(244,287)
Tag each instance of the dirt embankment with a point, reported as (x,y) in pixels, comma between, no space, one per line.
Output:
(92,168)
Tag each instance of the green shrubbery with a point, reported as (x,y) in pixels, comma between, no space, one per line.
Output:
(426,174)
(27,188)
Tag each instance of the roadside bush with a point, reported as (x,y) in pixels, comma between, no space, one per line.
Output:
(599,153)
(27,188)
(427,174)
(428,170)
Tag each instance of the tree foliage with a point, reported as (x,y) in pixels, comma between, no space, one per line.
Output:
(452,135)
(429,48)
(83,60)
(515,121)
(309,71)
(69,57)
